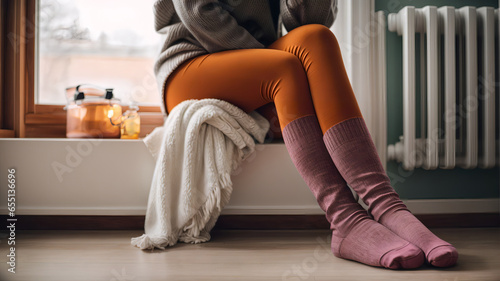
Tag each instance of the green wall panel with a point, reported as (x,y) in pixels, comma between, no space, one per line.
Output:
(423,184)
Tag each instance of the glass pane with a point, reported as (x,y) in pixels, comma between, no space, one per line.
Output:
(108,43)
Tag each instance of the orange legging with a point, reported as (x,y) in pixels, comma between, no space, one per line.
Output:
(301,72)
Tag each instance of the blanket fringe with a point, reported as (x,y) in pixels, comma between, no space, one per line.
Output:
(146,242)
(197,229)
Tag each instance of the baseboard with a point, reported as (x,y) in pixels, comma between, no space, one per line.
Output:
(433,213)
(453,206)
(416,206)
(265,222)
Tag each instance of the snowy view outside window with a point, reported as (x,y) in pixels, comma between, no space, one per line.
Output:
(109,43)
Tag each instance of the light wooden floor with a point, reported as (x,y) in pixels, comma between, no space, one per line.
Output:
(231,255)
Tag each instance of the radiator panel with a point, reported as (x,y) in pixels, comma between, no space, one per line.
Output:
(459,120)
(447,27)
(486,20)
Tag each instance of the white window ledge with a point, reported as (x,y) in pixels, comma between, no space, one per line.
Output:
(113,177)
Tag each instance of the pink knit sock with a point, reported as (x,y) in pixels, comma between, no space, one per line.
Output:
(355,235)
(355,156)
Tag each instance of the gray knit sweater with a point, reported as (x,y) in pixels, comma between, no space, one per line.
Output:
(194,27)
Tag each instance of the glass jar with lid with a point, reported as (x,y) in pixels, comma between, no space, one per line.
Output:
(92,112)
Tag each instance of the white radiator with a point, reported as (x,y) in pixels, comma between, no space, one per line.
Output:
(459,74)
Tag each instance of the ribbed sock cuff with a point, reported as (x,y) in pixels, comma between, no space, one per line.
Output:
(300,127)
(346,131)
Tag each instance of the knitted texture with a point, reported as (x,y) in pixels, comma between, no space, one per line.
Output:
(355,235)
(438,252)
(193,28)
(200,145)
(355,156)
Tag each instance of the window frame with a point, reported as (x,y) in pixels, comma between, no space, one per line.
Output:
(28,119)
(10,68)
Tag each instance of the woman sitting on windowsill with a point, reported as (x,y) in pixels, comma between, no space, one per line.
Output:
(229,50)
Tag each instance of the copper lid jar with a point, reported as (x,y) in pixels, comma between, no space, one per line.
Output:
(92,112)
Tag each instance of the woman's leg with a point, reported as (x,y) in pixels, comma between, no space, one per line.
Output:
(349,142)
(248,78)
(355,235)
(251,78)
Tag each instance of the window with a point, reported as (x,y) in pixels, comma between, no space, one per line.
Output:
(56,44)
(111,43)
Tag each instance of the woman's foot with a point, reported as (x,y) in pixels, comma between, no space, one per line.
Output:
(352,150)
(355,235)
(438,252)
(373,244)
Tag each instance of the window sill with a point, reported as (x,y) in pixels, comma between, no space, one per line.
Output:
(113,177)
(49,121)
(62,176)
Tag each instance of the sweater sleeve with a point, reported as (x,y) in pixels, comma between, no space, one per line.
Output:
(296,13)
(213,26)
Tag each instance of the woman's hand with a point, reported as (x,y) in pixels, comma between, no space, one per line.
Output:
(296,13)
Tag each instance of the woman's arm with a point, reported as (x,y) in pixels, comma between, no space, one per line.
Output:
(213,26)
(299,12)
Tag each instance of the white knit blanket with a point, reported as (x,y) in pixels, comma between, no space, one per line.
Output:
(201,143)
